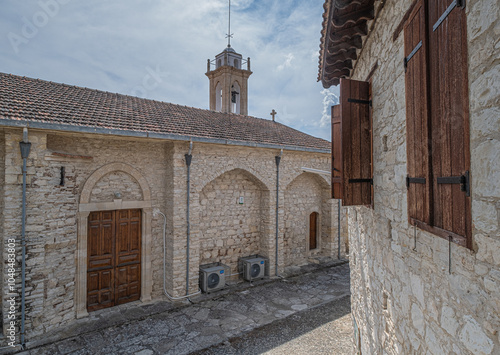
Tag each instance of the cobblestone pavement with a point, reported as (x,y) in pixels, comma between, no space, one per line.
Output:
(217,318)
(324,329)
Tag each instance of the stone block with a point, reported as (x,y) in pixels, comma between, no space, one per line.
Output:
(473,337)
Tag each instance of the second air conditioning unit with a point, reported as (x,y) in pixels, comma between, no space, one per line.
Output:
(254,268)
(212,278)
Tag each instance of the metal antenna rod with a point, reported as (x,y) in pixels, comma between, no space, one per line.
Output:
(229,34)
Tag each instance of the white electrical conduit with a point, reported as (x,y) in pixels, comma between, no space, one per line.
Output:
(156,211)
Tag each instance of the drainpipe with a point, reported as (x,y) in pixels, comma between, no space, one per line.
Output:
(25,151)
(155,212)
(188,164)
(338,230)
(278,160)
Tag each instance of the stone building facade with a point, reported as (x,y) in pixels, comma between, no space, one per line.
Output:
(77,167)
(414,292)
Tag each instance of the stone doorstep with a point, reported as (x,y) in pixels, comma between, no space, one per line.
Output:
(137,311)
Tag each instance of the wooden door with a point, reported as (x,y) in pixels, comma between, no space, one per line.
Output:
(313,228)
(114,258)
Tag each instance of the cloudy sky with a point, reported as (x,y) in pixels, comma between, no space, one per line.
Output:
(158,49)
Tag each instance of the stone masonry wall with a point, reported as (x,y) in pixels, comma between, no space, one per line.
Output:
(404,299)
(51,212)
(302,197)
(210,162)
(116,181)
(52,209)
(230,230)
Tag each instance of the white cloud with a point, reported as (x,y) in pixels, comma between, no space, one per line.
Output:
(109,45)
(330,98)
(287,63)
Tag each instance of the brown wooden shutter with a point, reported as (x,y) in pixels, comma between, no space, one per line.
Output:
(336,153)
(450,117)
(356,142)
(417,117)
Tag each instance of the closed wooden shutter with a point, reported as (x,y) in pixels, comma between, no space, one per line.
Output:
(418,180)
(450,117)
(356,142)
(336,153)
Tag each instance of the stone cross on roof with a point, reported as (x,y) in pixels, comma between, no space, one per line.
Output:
(273,113)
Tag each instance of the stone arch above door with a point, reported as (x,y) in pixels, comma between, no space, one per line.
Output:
(86,206)
(253,174)
(107,169)
(323,180)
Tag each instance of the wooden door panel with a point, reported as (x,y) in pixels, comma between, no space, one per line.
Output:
(114,258)
(100,289)
(135,232)
(128,283)
(100,245)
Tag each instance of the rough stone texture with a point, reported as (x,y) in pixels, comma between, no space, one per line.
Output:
(117,181)
(230,230)
(429,310)
(303,196)
(53,210)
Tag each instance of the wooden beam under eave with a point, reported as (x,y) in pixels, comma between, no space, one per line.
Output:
(333,58)
(345,73)
(348,33)
(342,4)
(355,42)
(342,18)
(332,82)
(339,67)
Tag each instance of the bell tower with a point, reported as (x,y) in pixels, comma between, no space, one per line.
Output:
(228,79)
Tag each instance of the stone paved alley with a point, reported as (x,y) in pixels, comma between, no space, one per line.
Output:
(281,314)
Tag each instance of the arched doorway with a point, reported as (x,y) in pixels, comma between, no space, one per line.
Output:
(313,230)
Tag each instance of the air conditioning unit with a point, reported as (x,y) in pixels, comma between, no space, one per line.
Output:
(212,278)
(254,268)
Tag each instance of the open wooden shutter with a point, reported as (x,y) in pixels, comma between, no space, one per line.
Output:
(336,153)
(418,180)
(450,118)
(356,142)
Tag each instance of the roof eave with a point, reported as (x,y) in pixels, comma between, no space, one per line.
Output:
(152,135)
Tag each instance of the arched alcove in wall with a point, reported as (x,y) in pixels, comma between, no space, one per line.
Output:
(304,196)
(108,201)
(230,221)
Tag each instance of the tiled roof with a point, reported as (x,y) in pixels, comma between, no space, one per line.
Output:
(345,23)
(34,100)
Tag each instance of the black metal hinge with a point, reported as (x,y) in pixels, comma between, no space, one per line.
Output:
(360,180)
(357,101)
(463,180)
(413,180)
(413,52)
(455,3)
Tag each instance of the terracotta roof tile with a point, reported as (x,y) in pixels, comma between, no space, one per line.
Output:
(37,100)
(345,24)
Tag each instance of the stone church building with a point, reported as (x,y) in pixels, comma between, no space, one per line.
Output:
(110,177)
(416,160)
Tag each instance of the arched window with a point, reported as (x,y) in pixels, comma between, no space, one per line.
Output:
(313,230)
(235,98)
(218,97)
